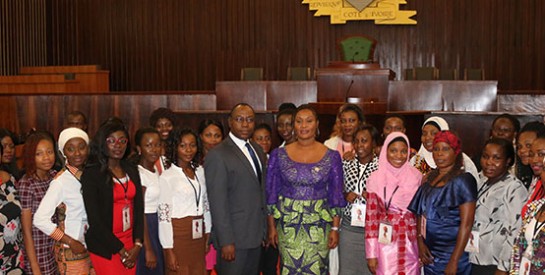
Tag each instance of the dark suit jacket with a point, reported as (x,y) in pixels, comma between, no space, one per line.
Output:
(98,197)
(236,196)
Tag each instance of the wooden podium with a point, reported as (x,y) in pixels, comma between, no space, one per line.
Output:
(352,79)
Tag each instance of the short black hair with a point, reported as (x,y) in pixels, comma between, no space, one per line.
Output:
(375,135)
(174,139)
(506,146)
(533,126)
(285,106)
(242,104)
(162,113)
(511,118)
(207,122)
(263,126)
(349,107)
(400,116)
(99,148)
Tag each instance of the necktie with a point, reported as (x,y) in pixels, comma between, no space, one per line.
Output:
(254,158)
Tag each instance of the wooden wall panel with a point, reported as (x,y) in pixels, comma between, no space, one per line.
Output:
(153,45)
(47,112)
(22,35)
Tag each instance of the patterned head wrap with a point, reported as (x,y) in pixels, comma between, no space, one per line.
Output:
(449,138)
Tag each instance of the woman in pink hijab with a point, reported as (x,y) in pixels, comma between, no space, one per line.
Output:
(390,229)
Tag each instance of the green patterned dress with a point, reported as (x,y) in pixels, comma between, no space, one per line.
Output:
(303,198)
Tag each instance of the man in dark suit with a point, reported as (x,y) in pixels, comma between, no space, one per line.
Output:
(235,179)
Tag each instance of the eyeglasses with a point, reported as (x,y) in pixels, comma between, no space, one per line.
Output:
(240,119)
(112,140)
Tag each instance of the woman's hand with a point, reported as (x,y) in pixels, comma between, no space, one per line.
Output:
(372,264)
(333,239)
(207,243)
(451,269)
(170,260)
(351,197)
(424,253)
(77,247)
(500,272)
(350,155)
(272,238)
(151,259)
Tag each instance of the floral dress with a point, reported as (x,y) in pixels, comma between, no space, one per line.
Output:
(11,257)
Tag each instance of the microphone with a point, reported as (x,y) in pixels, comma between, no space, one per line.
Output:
(354,57)
(348,90)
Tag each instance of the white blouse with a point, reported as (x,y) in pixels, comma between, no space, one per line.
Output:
(177,200)
(65,188)
(150,180)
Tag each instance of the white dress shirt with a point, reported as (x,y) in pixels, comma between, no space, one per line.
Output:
(241,144)
(150,180)
(65,188)
(177,200)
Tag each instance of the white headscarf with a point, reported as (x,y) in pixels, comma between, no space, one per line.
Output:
(423,152)
(68,134)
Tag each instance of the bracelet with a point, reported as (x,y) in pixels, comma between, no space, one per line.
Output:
(334,228)
(139,244)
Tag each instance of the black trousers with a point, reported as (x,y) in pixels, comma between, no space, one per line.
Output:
(269,261)
(246,262)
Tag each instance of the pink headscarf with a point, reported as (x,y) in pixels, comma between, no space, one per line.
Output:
(406,177)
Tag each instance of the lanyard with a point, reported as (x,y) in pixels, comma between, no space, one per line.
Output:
(67,168)
(387,204)
(361,177)
(197,196)
(537,227)
(537,192)
(124,185)
(76,177)
(479,193)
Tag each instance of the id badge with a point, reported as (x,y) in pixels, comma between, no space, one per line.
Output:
(358,215)
(473,242)
(126,218)
(525,265)
(423,222)
(197,228)
(385,233)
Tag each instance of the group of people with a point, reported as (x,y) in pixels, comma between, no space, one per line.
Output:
(179,201)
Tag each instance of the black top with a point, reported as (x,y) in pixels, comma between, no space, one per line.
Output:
(98,196)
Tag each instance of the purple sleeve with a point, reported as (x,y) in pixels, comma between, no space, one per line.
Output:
(335,183)
(274,178)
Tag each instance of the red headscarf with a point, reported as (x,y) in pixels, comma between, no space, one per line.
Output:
(449,138)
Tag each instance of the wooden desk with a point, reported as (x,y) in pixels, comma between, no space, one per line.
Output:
(264,95)
(90,77)
(473,128)
(335,84)
(442,95)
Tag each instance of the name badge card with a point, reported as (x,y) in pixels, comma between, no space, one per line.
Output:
(385,233)
(423,222)
(126,218)
(358,214)
(473,242)
(197,228)
(525,265)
